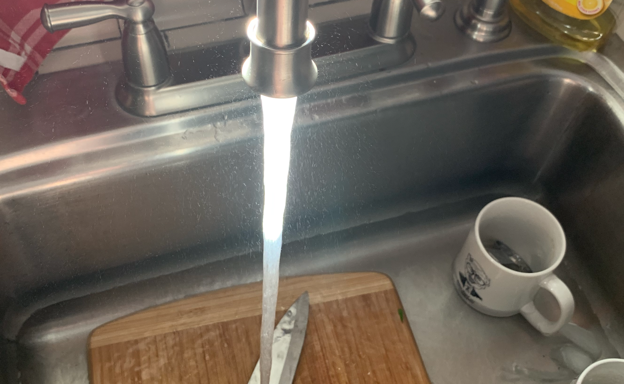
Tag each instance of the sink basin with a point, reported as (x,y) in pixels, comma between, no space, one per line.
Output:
(109,214)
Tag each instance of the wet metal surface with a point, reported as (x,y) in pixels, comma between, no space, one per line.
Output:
(103,214)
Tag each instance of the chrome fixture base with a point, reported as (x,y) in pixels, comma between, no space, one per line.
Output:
(390,20)
(280,72)
(485,23)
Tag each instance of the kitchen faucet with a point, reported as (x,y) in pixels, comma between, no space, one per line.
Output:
(280,63)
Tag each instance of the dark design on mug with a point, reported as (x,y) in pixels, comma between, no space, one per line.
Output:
(473,279)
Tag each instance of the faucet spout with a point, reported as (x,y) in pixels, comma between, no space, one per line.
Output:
(282,24)
(280,60)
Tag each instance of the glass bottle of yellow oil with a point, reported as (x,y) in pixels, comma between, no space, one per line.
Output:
(578,24)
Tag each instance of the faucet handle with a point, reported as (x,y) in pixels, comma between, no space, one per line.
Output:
(143,49)
(390,20)
(429,9)
(61,16)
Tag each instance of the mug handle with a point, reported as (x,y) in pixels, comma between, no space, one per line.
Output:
(566,303)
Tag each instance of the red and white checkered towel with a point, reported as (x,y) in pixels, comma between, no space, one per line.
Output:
(24,43)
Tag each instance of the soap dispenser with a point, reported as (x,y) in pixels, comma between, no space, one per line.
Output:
(578,24)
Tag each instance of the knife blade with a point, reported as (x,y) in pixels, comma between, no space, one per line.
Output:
(287,343)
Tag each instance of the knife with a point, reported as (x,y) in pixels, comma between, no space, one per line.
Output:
(287,343)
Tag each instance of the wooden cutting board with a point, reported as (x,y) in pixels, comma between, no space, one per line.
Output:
(355,335)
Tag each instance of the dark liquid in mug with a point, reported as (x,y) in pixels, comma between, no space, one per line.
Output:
(507,257)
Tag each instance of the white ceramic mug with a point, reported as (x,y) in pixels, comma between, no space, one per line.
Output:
(607,371)
(530,231)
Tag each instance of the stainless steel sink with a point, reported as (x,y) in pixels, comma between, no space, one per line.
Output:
(104,214)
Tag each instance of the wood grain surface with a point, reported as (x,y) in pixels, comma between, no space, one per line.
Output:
(354,335)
